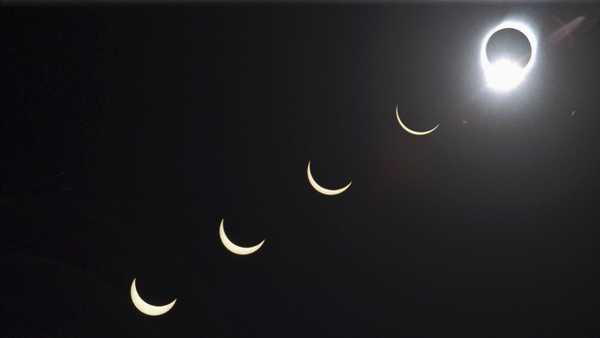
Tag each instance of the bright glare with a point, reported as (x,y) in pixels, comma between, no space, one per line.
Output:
(504,75)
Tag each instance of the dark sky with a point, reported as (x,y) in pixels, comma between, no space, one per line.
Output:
(129,131)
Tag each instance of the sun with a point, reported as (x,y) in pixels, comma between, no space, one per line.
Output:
(505,75)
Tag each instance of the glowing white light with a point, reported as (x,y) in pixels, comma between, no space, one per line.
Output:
(504,75)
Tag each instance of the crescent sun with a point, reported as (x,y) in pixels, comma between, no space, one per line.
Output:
(145,308)
(414,132)
(234,248)
(322,190)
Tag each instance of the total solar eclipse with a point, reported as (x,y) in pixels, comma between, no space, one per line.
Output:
(387,169)
(506,74)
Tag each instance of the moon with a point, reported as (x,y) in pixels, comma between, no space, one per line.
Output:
(236,249)
(504,75)
(322,190)
(145,308)
(411,131)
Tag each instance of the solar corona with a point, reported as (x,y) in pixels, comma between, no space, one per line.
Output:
(504,75)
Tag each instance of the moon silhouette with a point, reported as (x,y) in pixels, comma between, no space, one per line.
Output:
(145,308)
(411,131)
(504,75)
(322,190)
(236,249)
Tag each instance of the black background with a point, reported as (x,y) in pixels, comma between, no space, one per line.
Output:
(129,131)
